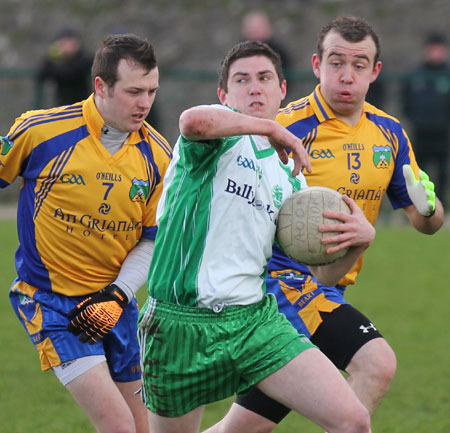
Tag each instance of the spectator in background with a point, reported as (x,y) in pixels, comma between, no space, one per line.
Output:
(68,67)
(256,26)
(426,104)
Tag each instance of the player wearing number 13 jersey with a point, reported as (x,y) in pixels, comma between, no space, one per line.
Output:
(92,177)
(363,161)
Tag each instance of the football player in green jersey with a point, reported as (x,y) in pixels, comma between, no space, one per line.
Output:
(208,329)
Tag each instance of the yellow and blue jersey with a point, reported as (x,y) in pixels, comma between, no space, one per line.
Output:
(81,209)
(363,161)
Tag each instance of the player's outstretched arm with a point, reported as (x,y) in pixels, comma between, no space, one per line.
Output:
(207,123)
(426,214)
(354,231)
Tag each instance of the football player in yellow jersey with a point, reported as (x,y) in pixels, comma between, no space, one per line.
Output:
(362,152)
(92,177)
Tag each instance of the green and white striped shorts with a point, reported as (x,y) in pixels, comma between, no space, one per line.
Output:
(193,356)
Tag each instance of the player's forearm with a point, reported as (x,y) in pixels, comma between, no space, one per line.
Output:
(206,123)
(134,271)
(331,274)
(426,225)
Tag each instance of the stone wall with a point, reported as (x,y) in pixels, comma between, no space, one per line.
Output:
(191,36)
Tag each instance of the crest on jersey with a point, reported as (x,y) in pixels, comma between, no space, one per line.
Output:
(382,156)
(5,145)
(139,190)
(277,196)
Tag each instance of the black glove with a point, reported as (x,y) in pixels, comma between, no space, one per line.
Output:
(97,315)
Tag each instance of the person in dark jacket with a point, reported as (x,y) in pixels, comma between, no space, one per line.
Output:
(426,104)
(68,66)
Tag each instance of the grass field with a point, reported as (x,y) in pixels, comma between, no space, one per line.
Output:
(403,289)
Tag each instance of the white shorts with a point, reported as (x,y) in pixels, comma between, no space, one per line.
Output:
(70,370)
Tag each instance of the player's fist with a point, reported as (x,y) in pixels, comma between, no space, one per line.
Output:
(93,318)
(421,192)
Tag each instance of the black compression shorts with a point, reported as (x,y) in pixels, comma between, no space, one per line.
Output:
(342,333)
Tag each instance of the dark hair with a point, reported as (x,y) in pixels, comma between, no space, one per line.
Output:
(67,32)
(435,38)
(352,29)
(117,47)
(248,49)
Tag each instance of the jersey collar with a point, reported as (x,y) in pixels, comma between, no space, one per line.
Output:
(321,109)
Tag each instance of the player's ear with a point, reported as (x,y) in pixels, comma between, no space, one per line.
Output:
(315,60)
(283,89)
(99,87)
(222,96)
(376,71)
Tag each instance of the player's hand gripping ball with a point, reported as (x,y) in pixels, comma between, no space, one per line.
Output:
(298,225)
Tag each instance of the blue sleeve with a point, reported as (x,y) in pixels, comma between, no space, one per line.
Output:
(397,192)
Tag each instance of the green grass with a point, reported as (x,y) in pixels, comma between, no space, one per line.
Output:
(403,288)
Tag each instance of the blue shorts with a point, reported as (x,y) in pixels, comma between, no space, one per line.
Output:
(301,298)
(44,317)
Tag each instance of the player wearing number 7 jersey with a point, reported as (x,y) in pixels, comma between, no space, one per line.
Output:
(92,177)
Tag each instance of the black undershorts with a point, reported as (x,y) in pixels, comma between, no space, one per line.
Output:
(341,334)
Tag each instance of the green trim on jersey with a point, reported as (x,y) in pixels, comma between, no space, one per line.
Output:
(294,181)
(264,153)
(261,153)
(199,167)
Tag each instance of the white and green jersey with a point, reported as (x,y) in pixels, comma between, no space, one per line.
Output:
(217,219)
